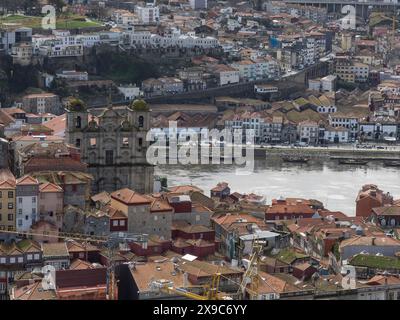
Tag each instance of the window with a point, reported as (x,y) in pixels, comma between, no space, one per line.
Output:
(109,157)
(10,205)
(19,200)
(19,211)
(20,259)
(36,256)
(29,257)
(10,217)
(141,121)
(19,222)
(2,260)
(125,142)
(1,195)
(93,142)
(33,210)
(115,223)
(77,142)
(12,260)
(140,142)
(33,199)
(78,122)
(10,194)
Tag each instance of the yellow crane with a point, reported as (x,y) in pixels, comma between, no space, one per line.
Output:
(251,274)
(211,291)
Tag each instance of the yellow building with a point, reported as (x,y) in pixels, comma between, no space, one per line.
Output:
(7,200)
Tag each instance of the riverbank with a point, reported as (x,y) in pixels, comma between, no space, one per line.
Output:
(331,153)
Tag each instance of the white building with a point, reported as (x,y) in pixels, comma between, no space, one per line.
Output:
(336,135)
(328,83)
(257,69)
(308,132)
(130,92)
(27,192)
(150,14)
(124,18)
(175,39)
(198,4)
(314,84)
(11,34)
(378,128)
(348,121)
(73,75)
(226,74)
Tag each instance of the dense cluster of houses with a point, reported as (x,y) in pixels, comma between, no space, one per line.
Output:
(192,236)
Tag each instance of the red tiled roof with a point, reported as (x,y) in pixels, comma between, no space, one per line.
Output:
(130,197)
(27,181)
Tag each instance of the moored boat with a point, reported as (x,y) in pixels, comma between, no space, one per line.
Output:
(392,163)
(353,161)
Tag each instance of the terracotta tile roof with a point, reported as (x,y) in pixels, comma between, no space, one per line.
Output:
(370,241)
(103,197)
(74,246)
(50,187)
(33,291)
(200,243)
(57,249)
(387,210)
(382,280)
(7,176)
(271,284)
(63,163)
(78,278)
(58,124)
(28,245)
(79,264)
(5,118)
(184,189)
(27,181)
(130,197)
(159,204)
(144,273)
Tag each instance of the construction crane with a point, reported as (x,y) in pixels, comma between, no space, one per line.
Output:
(251,274)
(111,242)
(211,291)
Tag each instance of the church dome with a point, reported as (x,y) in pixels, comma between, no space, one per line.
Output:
(76,105)
(139,105)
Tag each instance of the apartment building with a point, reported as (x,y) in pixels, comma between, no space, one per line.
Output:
(149,14)
(27,198)
(11,35)
(351,71)
(7,200)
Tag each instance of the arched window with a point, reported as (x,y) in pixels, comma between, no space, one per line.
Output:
(141,121)
(78,122)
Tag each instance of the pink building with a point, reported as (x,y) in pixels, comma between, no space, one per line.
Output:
(51,204)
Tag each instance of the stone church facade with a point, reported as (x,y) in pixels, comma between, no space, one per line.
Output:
(113,143)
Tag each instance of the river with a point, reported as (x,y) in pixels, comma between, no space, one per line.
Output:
(333,184)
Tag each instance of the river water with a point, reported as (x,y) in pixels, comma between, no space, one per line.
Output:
(333,184)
